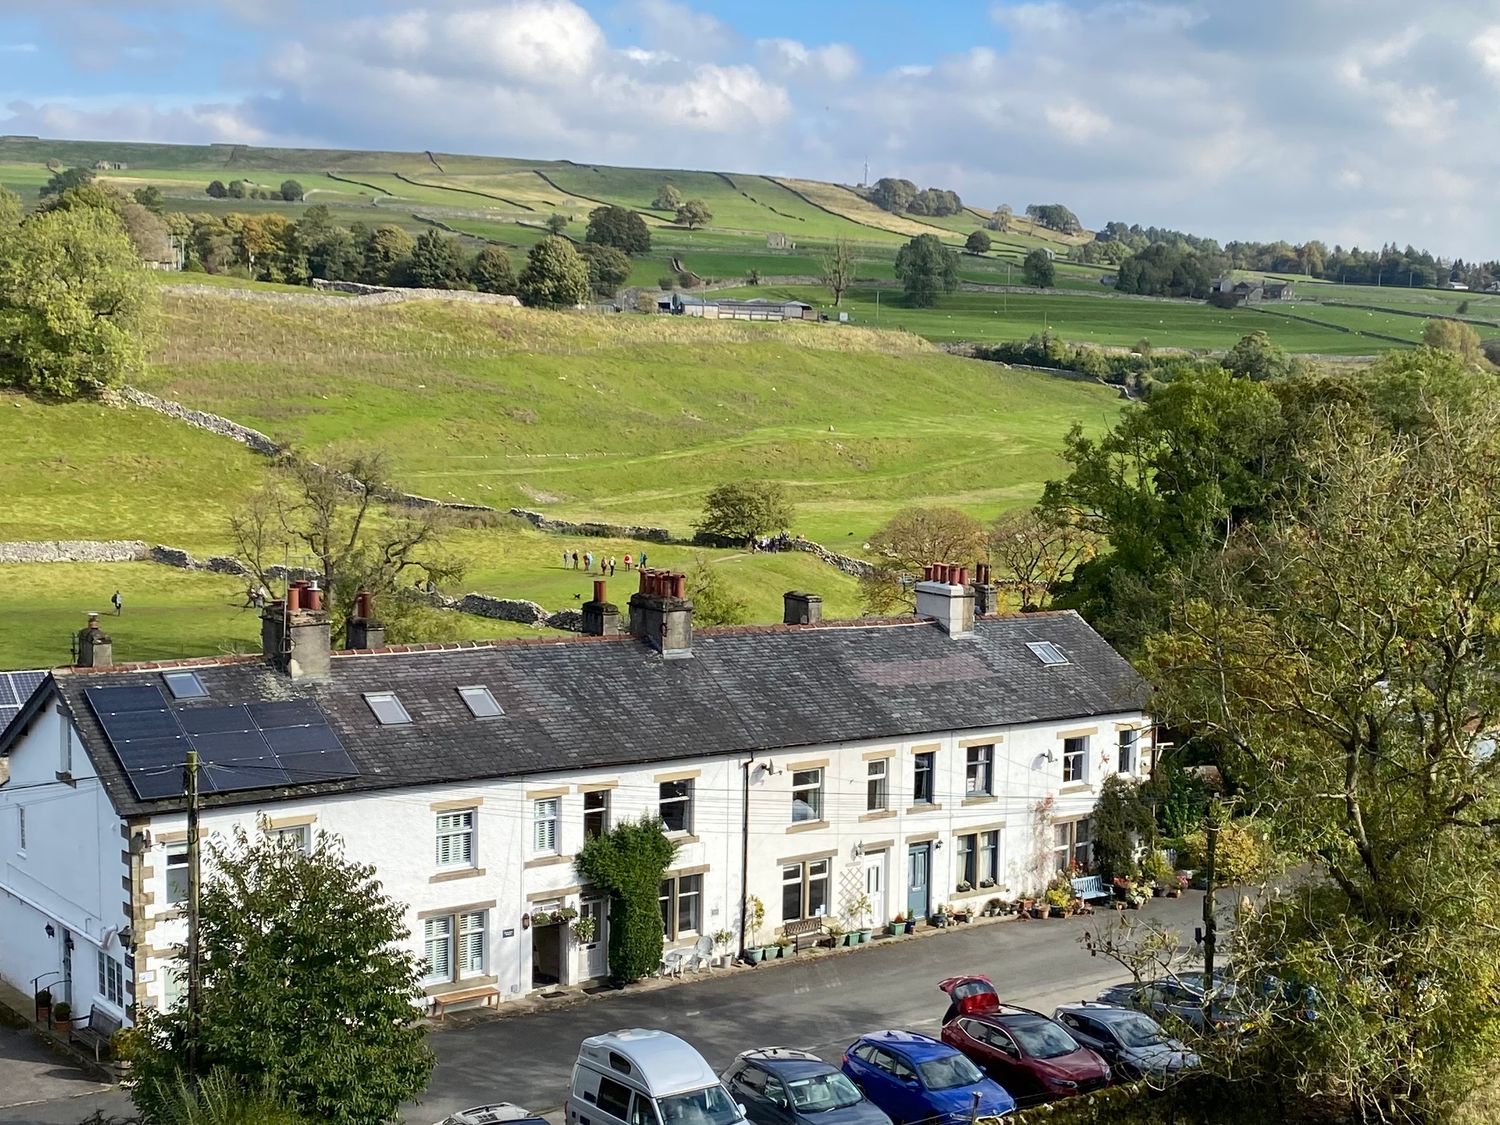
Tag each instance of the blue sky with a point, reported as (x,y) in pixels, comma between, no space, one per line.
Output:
(1354,121)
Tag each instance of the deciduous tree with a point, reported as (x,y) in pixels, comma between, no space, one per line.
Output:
(839,263)
(1002,218)
(909,541)
(619,227)
(65,180)
(693,213)
(745,510)
(1453,336)
(556,223)
(1038,549)
(608,268)
(306,987)
(926,268)
(894,195)
(1037,269)
(216,189)
(492,271)
(75,306)
(292,191)
(1256,357)
(713,601)
(554,276)
(383,253)
(668,198)
(977,243)
(436,262)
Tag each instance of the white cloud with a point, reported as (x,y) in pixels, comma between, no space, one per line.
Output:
(790,60)
(1076,121)
(1486,47)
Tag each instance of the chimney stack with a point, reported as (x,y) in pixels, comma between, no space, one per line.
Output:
(295,637)
(986,595)
(363,630)
(943,595)
(95,649)
(600,617)
(661,615)
(799,608)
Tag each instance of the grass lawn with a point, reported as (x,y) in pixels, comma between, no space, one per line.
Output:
(631,419)
(168,613)
(1113,321)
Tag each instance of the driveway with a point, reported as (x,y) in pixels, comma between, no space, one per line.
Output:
(40,1088)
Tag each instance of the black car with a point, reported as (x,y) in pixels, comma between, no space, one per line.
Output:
(1133,1043)
(780,1086)
(1172,999)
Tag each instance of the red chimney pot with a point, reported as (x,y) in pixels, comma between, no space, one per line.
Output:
(599,592)
(679,585)
(312,598)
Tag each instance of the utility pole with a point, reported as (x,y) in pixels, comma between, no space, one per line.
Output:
(195,880)
(1209,934)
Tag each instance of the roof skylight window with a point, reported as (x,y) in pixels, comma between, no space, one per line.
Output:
(1048,653)
(386,708)
(184,685)
(481,702)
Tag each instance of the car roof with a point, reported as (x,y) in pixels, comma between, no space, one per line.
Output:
(914,1046)
(1104,1013)
(786,1061)
(658,1060)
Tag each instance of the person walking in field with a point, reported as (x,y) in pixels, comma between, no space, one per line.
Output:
(611,566)
(575,560)
(565,560)
(118,602)
(642,563)
(627,564)
(588,562)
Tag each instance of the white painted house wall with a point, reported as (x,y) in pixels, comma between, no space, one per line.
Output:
(68,875)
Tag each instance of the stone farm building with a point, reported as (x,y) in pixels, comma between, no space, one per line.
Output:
(685,304)
(944,757)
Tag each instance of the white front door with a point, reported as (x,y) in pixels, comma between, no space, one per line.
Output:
(595,955)
(875,863)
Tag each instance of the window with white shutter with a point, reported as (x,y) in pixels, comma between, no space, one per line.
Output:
(439,938)
(544,825)
(455,838)
(471,943)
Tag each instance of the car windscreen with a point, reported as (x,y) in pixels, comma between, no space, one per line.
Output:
(1138,1032)
(1041,1039)
(819,1092)
(948,1072)
(709,1106)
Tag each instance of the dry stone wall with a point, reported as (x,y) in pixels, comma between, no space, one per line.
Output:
(598,530)
(855,568)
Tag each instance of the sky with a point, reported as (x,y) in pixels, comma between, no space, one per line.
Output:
(1358,122)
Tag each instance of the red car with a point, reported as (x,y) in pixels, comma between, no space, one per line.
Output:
(1033,1057)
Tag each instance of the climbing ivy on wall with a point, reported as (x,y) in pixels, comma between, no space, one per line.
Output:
(629,861)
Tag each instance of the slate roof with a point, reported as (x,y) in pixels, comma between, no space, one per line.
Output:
(599,702)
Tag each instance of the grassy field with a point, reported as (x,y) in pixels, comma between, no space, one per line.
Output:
(168,613)
(626,418)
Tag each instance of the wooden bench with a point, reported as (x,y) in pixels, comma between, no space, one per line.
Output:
(489,994)
(1089,888)
(97,1031)
(808,932)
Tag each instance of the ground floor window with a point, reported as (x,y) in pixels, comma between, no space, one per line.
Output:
(111,980)
(804,890)
(979,858)
(681,900)
(1072,843)
(454,946)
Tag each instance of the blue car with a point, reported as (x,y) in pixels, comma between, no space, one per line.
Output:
(915,1078)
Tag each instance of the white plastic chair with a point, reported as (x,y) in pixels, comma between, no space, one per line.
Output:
(702,956)
(673,961)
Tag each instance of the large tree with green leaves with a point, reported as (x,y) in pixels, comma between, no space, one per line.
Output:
(1338,654)
(619,227)
(436,262)
(926,268)
(1256,357)
(75,306)
(608,268)
(491,271)
(1037,269)
(554,277)
(746,509)
(307,988)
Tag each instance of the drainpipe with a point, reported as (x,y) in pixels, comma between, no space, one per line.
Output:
(745,849)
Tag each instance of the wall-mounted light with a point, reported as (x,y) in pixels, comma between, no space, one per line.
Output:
(1051,758)
(859,850)
(50,931)
(937,845)
(525,921)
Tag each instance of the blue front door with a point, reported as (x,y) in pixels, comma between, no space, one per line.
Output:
(918,876)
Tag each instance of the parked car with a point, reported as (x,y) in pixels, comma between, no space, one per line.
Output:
(644,1075)
(1288,998)
(499,1113)
(1171,999)
(781,1086)
(1033,1057)
(915,1078)
(1134,1044)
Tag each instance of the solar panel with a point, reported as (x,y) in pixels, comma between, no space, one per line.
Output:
(286,713)
(7,693)
(244,746)
(206,720)
(25,683)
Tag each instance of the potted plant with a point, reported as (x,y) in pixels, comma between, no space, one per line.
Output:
(1177,885)
(1156,867)
(858,918)
(1059,896)
(1140,891)
(566,914)
(755,917)
(910,924)
(962,914)
(963,886)
(896,925)
(782,942)
(541,918)
(986,883)
(836,932)
(939,916)
(584,930)
(44,1006)
(62,1017)
(722,938)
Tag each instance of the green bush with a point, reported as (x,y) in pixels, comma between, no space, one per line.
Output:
(1242,853)
(628,862)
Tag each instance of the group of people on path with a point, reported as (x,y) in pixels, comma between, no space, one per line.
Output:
(571,561)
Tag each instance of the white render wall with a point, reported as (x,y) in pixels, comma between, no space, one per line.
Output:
(68,876)
(1029,799)
(395,831)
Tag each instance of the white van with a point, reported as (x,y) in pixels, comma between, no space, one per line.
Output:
(646,1077)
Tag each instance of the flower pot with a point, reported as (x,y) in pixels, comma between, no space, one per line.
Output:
(865,935)
(780,951)
(894,928)
(754,956)
(938,920)
(1057,912)
(1174,892)
(1157,892)
(1037,911)
(1136,903)
(851,938)
(910,926)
